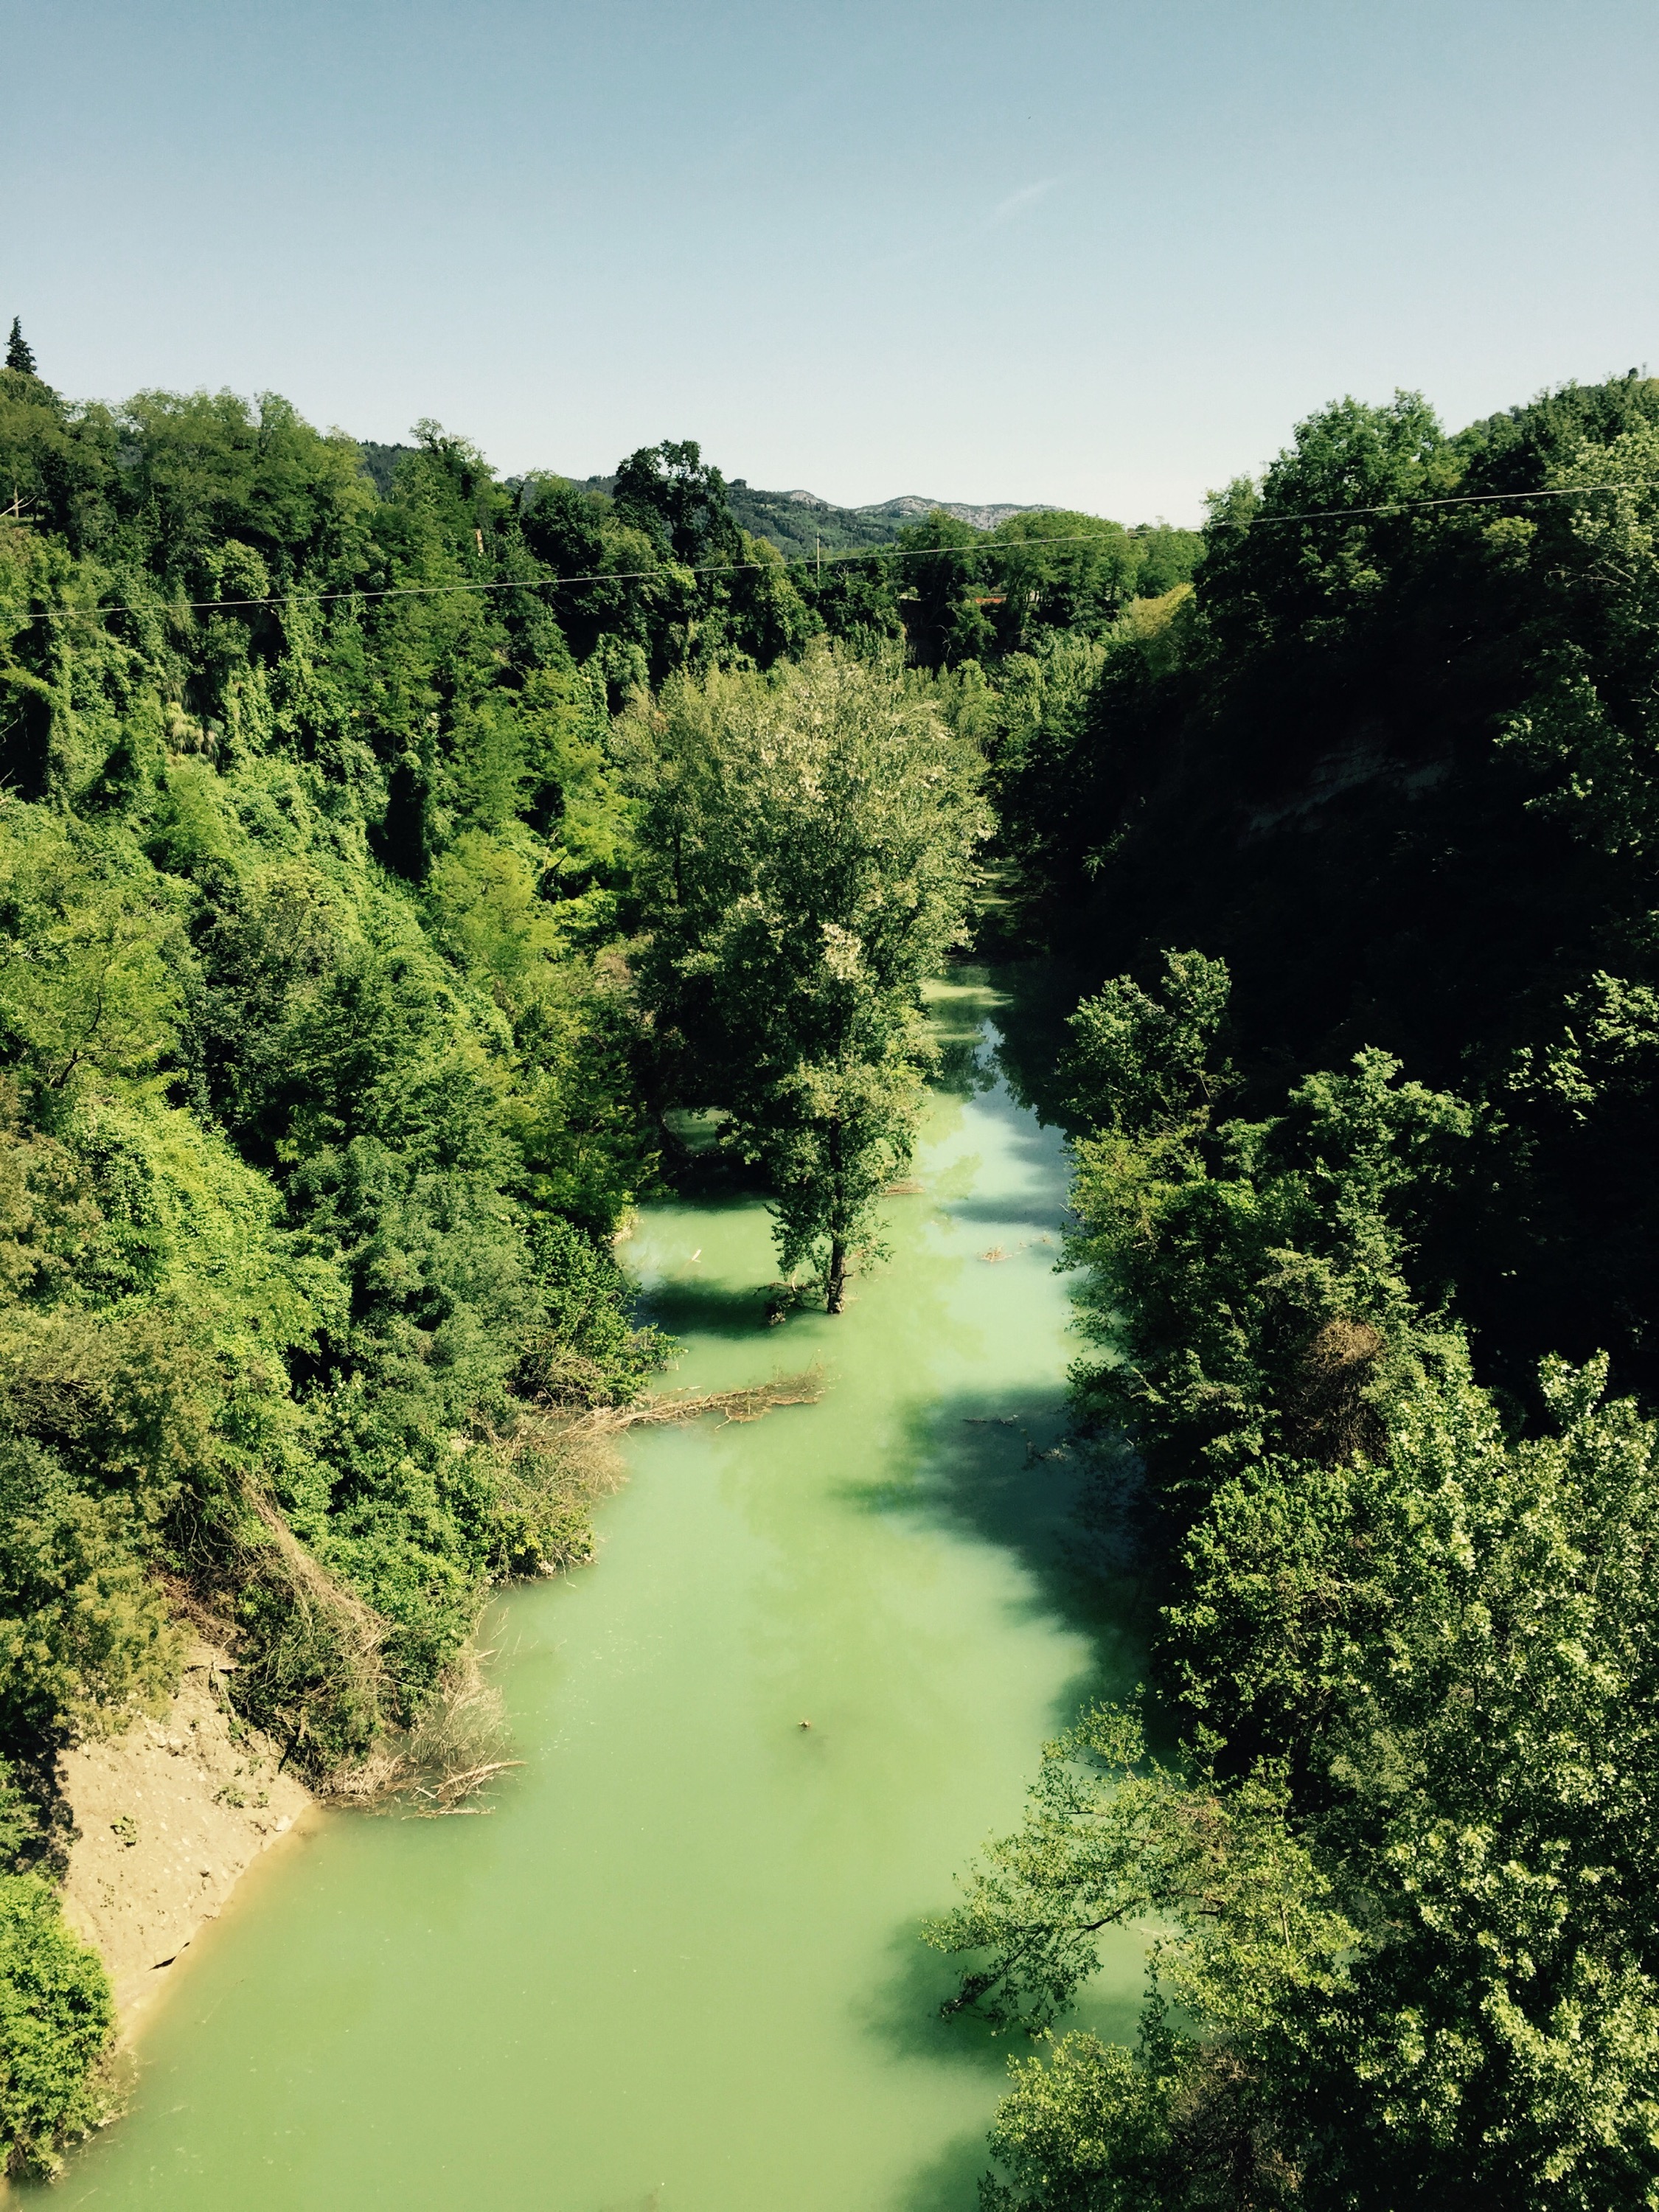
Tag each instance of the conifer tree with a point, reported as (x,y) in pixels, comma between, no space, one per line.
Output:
(18,354)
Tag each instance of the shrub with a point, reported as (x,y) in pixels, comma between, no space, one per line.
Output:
(56,2021)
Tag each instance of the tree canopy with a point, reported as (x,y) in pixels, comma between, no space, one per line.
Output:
(807,848)
(387,849)
(1360,1127)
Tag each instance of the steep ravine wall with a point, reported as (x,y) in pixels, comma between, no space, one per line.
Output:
(170,1815)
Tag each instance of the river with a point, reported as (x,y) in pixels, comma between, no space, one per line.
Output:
(677,1967)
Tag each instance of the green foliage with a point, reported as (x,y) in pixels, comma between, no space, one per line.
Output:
(669,491)
(1438,1929)
(1390,769)
(84,1636)
(1141,1064)
(669,581)
(1030,565)
(945,591)
(1249,1282)
(412,1078)
(56,2021)
(1394,767)
(1300,561)
(20,354)
(807,849)
(1056,570)
(317,1095)
(1040,580)
(20,1820)
(586,1351)
(805,529)
(85,982)
(1086,2132)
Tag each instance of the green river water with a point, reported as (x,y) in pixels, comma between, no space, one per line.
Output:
(677,1967)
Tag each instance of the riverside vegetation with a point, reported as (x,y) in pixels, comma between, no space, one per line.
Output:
(337,1012)
(361,920)
(1365,1129)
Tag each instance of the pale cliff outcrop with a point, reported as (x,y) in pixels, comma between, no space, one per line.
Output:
(169,1816)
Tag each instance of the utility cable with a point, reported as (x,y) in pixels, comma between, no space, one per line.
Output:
(743,567)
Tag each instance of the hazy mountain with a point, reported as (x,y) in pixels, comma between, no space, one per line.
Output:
(799,522)
(908,505)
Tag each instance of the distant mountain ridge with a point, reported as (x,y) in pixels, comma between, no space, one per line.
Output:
(799,522)
(910,504)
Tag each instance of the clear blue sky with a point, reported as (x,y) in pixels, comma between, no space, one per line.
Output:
(1101,255)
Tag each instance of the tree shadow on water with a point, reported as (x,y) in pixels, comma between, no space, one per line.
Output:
(904,2012)
(687,1308)
(1006,1470)
(1035,1212)
(1034,1037)
(903,2015)
(950,2180)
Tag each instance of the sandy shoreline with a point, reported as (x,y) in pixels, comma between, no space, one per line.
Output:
(169,1816)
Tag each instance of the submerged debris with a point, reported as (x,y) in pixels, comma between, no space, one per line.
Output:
(748,1404)
(458,1746)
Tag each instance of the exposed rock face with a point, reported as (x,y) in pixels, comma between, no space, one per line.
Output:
(910,505)
(169,1815)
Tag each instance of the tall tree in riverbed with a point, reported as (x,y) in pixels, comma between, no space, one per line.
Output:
(809,841)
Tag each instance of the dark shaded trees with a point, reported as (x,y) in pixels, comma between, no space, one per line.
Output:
(1384,765)
(1386,769)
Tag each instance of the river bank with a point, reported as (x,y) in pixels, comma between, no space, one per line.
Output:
(169,1816)
(679,1962)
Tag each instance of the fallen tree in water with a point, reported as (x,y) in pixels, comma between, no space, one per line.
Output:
(747,1404)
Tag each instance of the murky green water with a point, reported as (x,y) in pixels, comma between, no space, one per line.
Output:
(677,1967)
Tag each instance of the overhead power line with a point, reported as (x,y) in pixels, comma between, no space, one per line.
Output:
(741,568)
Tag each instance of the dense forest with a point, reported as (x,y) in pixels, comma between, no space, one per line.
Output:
(1356,831)
(387,848)
(382,849)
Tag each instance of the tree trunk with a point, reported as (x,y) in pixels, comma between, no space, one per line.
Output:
(835,1286)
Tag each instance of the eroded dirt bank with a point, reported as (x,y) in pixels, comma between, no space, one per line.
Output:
(171,1815)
